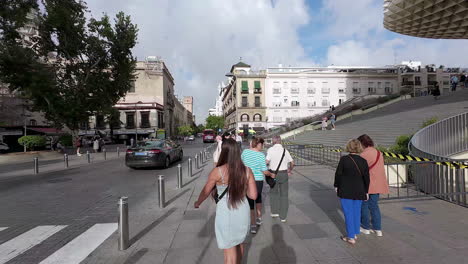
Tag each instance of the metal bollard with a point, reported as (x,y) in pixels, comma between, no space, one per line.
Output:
(196,162)
(88,156)
(105,154)
(123,223)
(179,176)
(189,167)
(36,165)
(162,191)
(65,158)
(118,152)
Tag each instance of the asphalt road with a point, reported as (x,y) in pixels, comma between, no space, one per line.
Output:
(77,198)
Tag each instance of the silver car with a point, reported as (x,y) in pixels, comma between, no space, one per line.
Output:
(153,153)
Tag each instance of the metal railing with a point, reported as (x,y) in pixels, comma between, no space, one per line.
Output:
(441,140)
(410,179)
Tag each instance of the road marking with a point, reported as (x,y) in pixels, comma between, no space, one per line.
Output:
(80,247)
(25,241)
(3,228)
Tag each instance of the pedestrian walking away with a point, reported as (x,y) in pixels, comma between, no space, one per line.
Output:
(217,152)
(233,181)
(280,161)
(96,145)
(352,186)
(324,123)
(333,120)
(436,91)
(256,161)
(454,81)
(239,140)
(78,144)
(378,185)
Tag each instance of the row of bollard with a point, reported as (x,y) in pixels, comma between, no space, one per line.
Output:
(123,228)
(66,159)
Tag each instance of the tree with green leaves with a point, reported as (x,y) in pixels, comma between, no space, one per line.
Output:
(214,122)
(72,68)
(185,130)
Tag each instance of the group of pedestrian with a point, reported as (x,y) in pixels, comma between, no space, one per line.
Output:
(359,181)
(97,144)
(332,119)
(236,183)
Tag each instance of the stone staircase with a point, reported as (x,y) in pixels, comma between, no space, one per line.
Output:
(386,124)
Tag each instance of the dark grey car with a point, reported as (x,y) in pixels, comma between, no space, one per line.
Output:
(153,153)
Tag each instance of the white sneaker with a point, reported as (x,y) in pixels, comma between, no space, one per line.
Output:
(364,231)
(79,154)
(259,221)
(274,215)
(283,220)
(377,232)
(253,229)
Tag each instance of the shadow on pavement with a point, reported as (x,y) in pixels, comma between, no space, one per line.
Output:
(279,248)
(176,197)
(206,232)
(189,182)
(147,229)
(133,259)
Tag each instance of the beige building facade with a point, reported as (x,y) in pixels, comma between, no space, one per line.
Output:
(244,99)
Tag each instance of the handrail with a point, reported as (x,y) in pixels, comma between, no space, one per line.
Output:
(441,140)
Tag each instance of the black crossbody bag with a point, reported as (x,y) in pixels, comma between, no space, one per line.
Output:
(270,180)
(217,197)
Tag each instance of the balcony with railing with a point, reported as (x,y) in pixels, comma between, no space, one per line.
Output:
(407,83)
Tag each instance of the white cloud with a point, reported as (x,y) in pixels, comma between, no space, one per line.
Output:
(200,40)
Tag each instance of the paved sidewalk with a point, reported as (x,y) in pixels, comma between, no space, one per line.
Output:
(415,231)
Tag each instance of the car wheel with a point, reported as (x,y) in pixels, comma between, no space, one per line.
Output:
(167,163)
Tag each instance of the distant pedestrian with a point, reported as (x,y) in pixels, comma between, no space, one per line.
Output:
(236,181)
(279,159)
(466,80)
(217,152)
(463,80)
(256,161)
(333,120)
(454,82)
(324,123)
(78,144)
(96,145)
(352,186)
(378,185)
(436,91)
(239,140)
(333,108)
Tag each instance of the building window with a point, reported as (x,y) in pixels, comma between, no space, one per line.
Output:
(325,88)
(310,90)
(257,87)
(356,88)
(325,102)
(276,104)
(257,118)
(295,90)
(160,119)
(340,101)
(257,101)
(130,120)
(341,90)
(132,87)
(100,124)
(379,85)
(285,85)
(276,90)
(245,103)
(245,87)
(417,80)
(311,104)
(277,119)
(245,118)
(371,88)
(294,103)
(32,122)
(145,121)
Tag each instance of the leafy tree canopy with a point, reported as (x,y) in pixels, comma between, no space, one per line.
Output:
(72,68)
(214,122)
(185,130)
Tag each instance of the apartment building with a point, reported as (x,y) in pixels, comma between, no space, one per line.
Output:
(244,99)
(294,93)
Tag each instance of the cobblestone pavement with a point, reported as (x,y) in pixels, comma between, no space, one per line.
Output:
(46,216)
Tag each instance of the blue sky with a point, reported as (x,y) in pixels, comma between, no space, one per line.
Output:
(200,40)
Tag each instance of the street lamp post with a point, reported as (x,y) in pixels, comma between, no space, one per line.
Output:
(136,124)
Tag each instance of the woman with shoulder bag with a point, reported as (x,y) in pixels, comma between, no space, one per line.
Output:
(352,185)
(233,181)
(378,185)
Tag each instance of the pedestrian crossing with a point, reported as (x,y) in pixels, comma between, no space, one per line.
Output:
(72,252)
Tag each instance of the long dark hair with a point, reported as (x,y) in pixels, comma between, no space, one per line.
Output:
(231,156)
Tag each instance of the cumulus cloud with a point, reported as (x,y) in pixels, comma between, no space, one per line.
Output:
(200,40)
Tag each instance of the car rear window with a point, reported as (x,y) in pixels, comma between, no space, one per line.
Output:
(151,144)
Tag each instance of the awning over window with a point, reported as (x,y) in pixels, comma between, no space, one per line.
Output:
(47,130)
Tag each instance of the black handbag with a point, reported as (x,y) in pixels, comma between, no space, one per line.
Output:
(217,197)
(270,181)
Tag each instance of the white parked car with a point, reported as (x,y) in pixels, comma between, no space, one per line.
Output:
(191,138)
(3,147)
